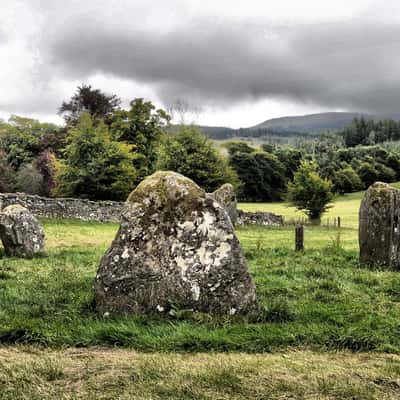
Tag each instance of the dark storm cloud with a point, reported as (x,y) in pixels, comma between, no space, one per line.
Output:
(352,65)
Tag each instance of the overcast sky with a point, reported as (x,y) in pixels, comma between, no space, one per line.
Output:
(240,62)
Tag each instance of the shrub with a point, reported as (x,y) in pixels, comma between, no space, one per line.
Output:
(309,192)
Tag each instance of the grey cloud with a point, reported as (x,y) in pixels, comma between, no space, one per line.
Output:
(350,65)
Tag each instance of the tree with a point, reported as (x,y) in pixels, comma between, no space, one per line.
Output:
(309,192)
(99,105)
(385,174)
(6,174)
(346,180)
(290,159)
(261,174)
(192,154)
(46,165)
(250,176)
(368,174)
(29,180)
(96,166)
(236,147)
(272,172)
(393,162)
(23,139)
(142,126)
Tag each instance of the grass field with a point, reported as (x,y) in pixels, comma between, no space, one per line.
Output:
(93,374)
(315,302)
(346,207)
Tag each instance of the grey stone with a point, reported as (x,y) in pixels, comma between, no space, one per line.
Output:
(20,232)
(379,228)
(176,247)
(259,218)
(226,197)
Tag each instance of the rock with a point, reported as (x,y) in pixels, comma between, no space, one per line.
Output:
(176,247)
(259,218)
(379,229)
(20,232)
(226,196)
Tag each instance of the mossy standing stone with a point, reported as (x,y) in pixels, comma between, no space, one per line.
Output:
(176,248)
(20,232)
(379,226)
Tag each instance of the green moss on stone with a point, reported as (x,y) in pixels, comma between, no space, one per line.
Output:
(166,186)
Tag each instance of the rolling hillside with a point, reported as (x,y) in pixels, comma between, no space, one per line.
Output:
(311,124)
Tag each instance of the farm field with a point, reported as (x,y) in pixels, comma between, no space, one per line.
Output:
(330,329)
(345,206)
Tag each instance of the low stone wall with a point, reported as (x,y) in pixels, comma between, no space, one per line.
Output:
(86,210)
(259,218)
(104,211)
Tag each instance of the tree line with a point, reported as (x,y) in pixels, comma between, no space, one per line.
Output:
(103,151)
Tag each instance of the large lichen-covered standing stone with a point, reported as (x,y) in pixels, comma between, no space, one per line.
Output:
(20,232)
(176,247)
(226,196)
(379,227)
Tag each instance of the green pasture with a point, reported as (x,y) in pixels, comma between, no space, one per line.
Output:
(322,298)
(330,328)
(344,206)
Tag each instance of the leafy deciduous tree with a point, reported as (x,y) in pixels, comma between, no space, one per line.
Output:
(96,166)
(142,126)
(192,154)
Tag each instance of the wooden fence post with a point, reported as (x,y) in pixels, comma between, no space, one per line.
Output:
(299,238)
(338,222)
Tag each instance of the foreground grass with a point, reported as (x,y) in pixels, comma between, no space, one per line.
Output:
(32,373)
(321,299)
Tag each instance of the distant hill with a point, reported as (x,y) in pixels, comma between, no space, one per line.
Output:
(312,123)
(304,125)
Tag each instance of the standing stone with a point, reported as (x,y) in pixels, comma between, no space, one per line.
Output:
(379,228)
(226,197)
(20,232)
(176,247)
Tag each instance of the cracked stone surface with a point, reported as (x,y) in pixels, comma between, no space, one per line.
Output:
(176,247)
(379,226)
(20,232)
